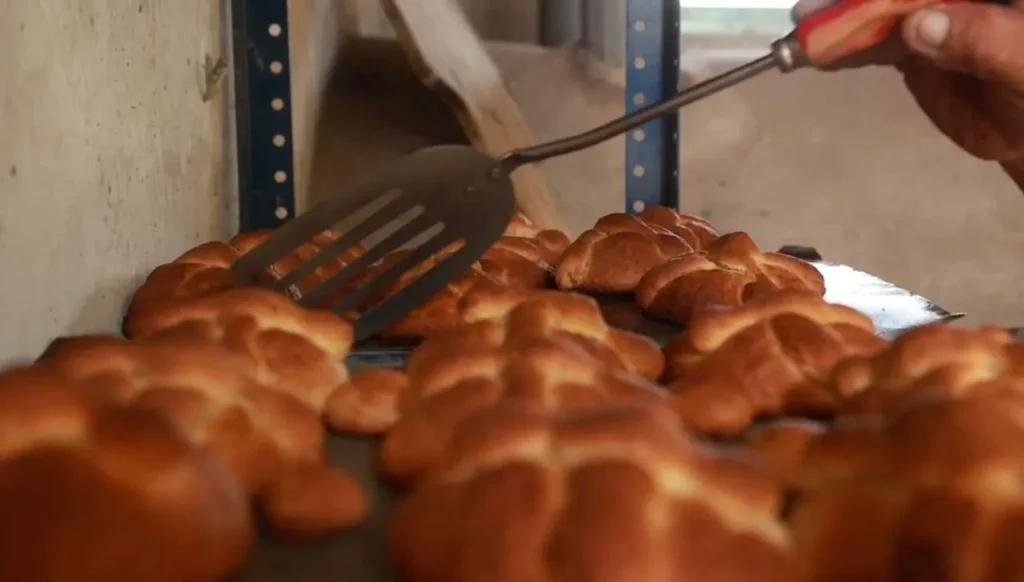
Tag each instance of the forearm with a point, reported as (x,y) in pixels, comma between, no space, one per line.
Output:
(1016,171)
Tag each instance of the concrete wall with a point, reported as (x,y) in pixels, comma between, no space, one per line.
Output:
(110,160)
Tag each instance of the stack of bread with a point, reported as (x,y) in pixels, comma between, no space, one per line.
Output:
(151,458)
(776,438)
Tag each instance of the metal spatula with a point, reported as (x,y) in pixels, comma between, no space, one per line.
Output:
(439,196)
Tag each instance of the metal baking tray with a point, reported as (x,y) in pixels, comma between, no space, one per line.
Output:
(892,309)
(360,555)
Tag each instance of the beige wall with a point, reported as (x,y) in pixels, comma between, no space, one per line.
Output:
(110,160)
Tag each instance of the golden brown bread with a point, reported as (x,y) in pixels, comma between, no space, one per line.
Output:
(546,313)
(523,258)
(550,373)
(205,270)
(521,262)
(368,403)
(616,253)
(931,493)
(263,435)
(94,492)
(437,314)
(526,255)
(245,242)
(780,445)
(208,391)
(614,493)
(770,357)
(731,272)
(314,501)
(696,231)
(293,350)
(937,359)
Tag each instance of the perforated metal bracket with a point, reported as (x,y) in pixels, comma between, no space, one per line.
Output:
(652,74)
(266,190)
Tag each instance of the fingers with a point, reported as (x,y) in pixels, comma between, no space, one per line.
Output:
(805,8)
(981,39)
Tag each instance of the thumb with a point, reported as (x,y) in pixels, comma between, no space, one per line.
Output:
(980,39)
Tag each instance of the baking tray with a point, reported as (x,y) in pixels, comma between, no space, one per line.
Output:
(892,309)
(357,555)
(360,555)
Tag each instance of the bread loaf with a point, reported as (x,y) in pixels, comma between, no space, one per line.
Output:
(215,398)
(100,492)
(208,391)
(609,493)
(729,273)
(522,263)
(616,253)
(525,257)
(546,313)
(550,373)
(696,231)
(205,270)
(770,357)
(930,493)
(930,361)
(437,314)
(368,403)
(780,446)
(293,350)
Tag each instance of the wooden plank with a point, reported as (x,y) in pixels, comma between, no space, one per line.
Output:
(450,59)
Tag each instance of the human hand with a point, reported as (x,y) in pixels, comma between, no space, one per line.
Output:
(964,65)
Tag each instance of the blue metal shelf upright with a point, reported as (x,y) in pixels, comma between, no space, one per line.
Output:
(263,108)
(652,74)
(262,79)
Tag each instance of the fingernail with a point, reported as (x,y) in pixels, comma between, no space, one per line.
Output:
(930,31)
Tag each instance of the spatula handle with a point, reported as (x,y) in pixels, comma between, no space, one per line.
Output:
(851,26)
(838,31)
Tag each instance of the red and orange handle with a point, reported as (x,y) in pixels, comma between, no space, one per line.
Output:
(851,26)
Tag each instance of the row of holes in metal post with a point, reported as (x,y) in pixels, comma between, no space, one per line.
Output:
(639,63)
(277,104)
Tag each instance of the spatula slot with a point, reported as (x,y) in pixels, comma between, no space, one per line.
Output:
(389,276)
(421,224)
(396,306)
(425,203)
(391,214)
(364,211)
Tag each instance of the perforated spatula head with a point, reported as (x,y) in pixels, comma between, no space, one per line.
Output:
(425,202)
